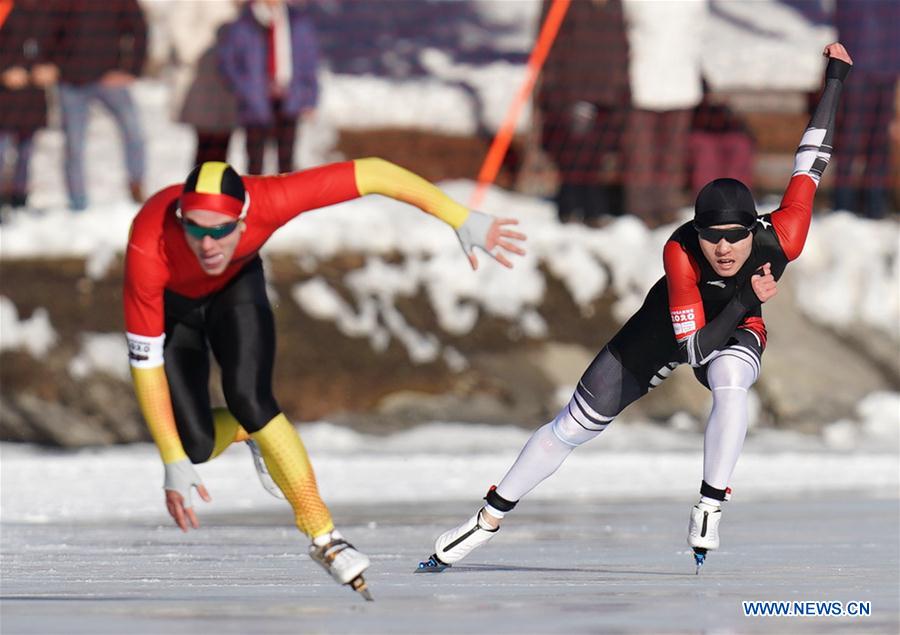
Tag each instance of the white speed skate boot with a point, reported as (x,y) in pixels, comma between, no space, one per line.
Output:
(341,560)
(455,544)
(703,530)
(262,471)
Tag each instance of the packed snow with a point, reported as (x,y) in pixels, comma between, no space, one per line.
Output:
(848,274)
(35,334)
(453,461)
(101,352)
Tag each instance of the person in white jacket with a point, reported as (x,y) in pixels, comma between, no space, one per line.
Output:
(665,40)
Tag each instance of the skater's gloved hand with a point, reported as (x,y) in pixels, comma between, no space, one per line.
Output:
(837,51)
(763,283)
(489,234)
(180,478)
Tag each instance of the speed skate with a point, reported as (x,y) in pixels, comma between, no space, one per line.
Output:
(342,561)
(703,531)
(455,544)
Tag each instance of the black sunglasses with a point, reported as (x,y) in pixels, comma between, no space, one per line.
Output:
(733,235)
(202,231)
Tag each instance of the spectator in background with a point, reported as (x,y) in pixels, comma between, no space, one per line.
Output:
(200,97)
(100,48)
(871,29)
(665,40)
(24,74)
(583,98)
(269,58)
(721,144)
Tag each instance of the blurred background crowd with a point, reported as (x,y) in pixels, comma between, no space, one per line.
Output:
(638,105)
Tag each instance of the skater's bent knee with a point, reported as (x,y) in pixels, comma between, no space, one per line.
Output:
(250,410)
(729,371)
(571,431)
(199,450)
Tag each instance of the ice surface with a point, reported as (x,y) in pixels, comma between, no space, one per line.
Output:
(556,567)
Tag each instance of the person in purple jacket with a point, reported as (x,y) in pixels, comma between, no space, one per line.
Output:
(269,57)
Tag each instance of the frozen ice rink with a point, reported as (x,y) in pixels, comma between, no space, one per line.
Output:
(587,568)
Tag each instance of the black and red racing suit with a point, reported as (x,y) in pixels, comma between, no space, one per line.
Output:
(691,312)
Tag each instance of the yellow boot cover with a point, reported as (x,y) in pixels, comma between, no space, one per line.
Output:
(289,465)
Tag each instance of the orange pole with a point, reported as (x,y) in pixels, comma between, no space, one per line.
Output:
(503,138)
(5,8)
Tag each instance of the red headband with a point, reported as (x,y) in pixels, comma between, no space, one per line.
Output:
(222,203)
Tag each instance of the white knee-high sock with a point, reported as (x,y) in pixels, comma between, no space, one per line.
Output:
(730,379)
(548,447)
(542,455)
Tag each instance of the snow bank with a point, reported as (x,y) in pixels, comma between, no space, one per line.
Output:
(101,352)
(451,462)
(36,335)
(848,274)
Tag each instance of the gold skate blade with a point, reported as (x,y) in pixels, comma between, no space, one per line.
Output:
(359,585)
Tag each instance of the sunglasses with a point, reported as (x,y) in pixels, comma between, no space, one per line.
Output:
(202,231)
(734,235)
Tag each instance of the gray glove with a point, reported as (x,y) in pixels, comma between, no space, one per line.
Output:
(474,232)
(181,477)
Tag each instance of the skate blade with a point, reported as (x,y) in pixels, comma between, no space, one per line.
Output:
(432,565)
(262,471)
(359,585)
(699,558)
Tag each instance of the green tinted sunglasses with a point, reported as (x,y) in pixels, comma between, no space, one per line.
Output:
(202,231)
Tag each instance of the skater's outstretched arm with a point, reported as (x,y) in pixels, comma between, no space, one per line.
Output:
(277,199)
(791,220)
(473,228)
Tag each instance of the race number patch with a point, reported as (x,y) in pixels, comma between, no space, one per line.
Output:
(684,322)
(145,352)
